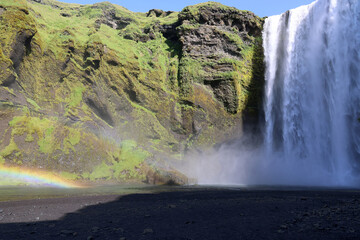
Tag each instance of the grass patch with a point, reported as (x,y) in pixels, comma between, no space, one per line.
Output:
(33,103)
(13,3)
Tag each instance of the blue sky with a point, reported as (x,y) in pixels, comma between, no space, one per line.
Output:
(259,7)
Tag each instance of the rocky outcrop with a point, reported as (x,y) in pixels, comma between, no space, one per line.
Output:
(96,92)
(222,41)
(158,13)
(110,18)
(222,53)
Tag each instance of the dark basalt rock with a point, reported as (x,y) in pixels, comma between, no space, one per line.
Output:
(112,20)
(158,13)
(170,32)
(93,54)
(214,15)
(211,32)
(21,47)
(100,109)
(65,14)
(225,92)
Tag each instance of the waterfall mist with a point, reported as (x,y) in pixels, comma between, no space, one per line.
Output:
(312,104)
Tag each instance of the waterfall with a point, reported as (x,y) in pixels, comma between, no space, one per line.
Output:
(312,105)
(312,95)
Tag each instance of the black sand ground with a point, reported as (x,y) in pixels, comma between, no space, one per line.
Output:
(188,213)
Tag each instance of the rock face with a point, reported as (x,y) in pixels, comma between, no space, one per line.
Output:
(222,50)
(96,92)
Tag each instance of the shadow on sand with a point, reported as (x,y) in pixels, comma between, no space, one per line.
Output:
(201,213)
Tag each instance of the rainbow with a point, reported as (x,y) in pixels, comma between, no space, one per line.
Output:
(32,177)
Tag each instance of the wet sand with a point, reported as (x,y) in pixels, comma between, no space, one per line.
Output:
(188,213)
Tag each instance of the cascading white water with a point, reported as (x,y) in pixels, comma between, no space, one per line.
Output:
(312,106)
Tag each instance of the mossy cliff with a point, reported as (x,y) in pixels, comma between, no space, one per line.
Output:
(97,92)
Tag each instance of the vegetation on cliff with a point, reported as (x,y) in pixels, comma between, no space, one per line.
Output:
(97,92)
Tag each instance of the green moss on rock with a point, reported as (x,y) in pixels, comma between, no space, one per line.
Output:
(98,92)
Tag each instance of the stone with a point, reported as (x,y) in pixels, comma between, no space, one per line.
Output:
(189,222)
(65,14)
(158,13)
(68,233)
(284,226)
(121,230)
(148,231)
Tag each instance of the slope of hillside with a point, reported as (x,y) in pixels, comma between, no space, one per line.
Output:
(97,92)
